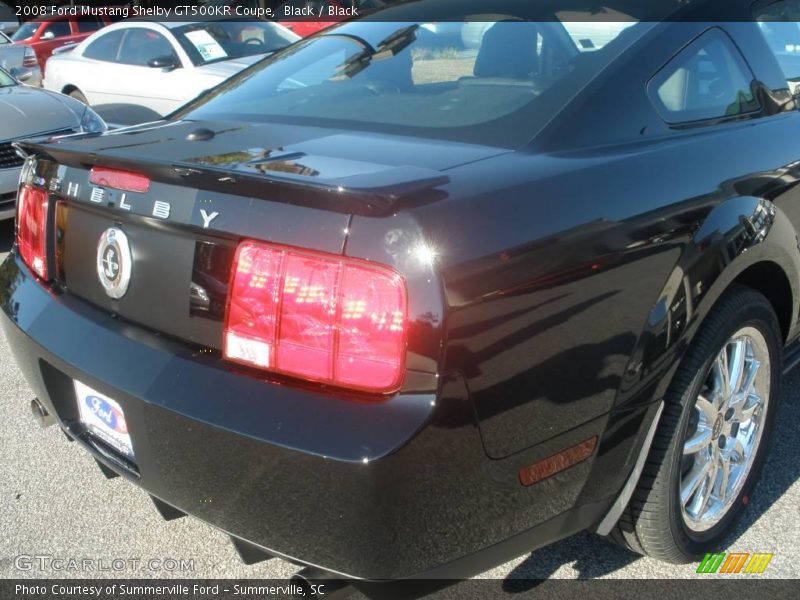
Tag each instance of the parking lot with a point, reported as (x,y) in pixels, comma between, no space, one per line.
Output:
(57,503)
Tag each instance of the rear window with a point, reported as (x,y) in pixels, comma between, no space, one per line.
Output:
(490,81)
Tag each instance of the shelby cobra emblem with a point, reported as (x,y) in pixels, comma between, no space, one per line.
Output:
(114,262)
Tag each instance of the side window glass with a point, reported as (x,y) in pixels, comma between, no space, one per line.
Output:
(709,79)
(56,29)
(143,45)
(106,47)
(778,21)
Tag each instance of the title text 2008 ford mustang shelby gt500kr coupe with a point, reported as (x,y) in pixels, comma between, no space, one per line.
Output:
(393,306)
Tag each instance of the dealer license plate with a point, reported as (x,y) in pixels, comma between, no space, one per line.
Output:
(103,418)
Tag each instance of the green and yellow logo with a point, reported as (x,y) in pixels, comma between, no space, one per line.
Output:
(734,562)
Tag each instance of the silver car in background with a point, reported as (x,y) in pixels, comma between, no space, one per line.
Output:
(140,70)
(32,112)
(17,59)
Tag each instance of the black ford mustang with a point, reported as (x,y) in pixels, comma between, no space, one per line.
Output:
(413,297)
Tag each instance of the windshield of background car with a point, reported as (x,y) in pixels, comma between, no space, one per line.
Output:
(212,42)
(493,82)
(27,31)
(6,79)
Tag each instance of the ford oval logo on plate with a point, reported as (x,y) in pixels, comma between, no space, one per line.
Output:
(111,416)
(104,419)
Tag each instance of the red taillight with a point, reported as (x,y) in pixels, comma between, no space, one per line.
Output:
(31,224)
(29,58)
(315,316)
(119,180)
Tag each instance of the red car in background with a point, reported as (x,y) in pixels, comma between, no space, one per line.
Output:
(47,34)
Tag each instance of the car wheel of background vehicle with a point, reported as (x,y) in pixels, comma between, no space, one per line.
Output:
(713,436)
(78,95)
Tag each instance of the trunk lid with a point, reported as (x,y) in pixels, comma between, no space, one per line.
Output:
(365,173)
(211,185)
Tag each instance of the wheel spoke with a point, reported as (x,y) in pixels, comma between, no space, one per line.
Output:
(703,496)
(738,448)
(700,440)
(722,375)
(746,409)
(736,365)
(707,411)
(750,378)
(746,394)
(692,481)
(708,488)
(725,474)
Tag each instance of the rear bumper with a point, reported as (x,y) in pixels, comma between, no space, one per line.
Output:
(373,491)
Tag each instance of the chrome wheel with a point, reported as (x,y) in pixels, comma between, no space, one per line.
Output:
(724,430)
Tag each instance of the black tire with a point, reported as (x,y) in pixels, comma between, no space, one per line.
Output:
(652,524)
(78,95)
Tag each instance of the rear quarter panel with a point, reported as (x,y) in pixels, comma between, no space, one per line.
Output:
(63,70)
(574,293)
(574,275)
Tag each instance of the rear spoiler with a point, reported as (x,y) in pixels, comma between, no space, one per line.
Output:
(374,193)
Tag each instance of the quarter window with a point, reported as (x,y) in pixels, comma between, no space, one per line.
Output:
(709,79)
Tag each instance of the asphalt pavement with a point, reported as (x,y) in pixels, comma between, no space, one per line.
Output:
(54,502)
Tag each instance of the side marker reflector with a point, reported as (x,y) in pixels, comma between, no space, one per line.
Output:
(557,462)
